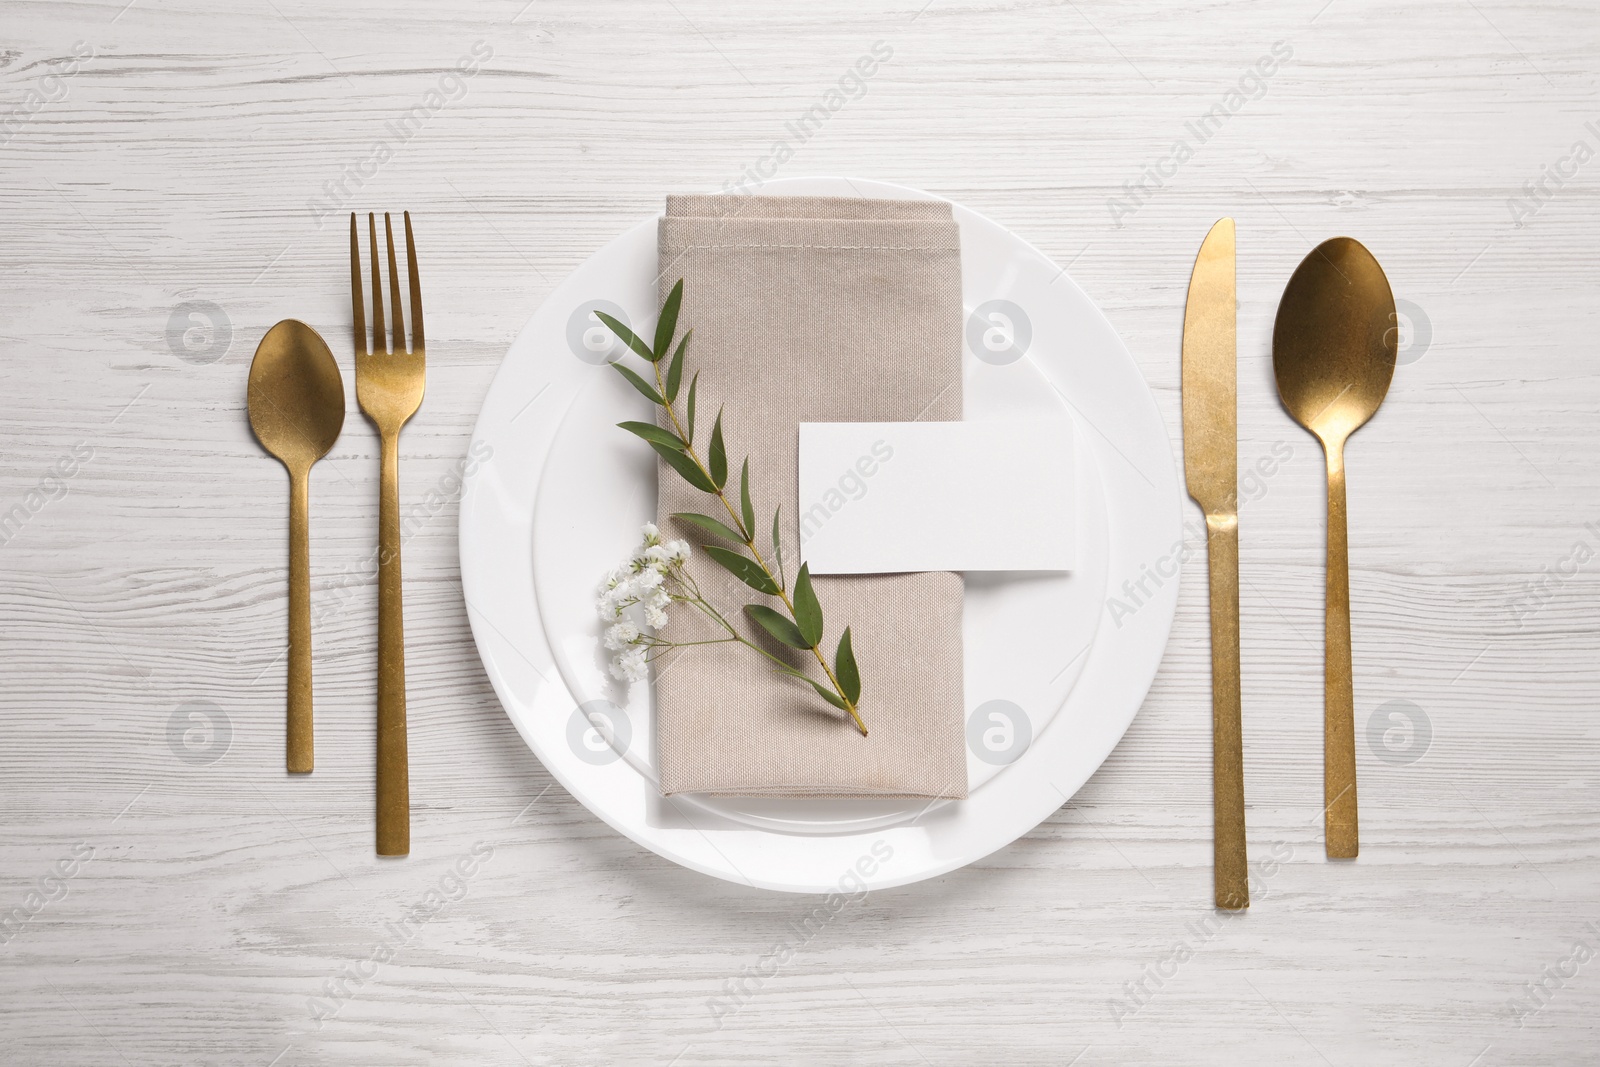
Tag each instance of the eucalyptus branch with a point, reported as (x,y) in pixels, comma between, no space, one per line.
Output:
(801,625)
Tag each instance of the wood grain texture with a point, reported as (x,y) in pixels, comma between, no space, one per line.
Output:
(223,907)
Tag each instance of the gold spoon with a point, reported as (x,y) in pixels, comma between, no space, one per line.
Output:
(1333,353)
(297,410)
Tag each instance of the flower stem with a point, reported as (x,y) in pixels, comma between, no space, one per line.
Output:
(750,543)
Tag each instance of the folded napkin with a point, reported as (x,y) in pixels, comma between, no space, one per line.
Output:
(813,309)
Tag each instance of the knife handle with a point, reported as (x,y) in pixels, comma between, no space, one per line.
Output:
(1338,690)
(1230,862)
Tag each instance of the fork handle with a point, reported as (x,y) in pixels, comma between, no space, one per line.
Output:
(1230,868)
(1338,689)
(394,777)
(298,735)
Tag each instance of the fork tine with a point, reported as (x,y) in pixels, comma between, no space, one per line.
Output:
(378,343)
(357,313)
(394,290)
(416,288)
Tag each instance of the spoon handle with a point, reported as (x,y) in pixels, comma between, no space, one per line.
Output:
(394,776)
(298,730)
(1339,716)
(1229,863)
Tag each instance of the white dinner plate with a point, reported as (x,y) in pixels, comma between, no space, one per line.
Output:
(1055,666)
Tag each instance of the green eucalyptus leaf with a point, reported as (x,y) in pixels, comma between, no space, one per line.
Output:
(667,324)
(675,368)
(807,612)
(823,691)
(717,457)
(844,668)
(747,510)
(629,338)
(684,465)
(653,433)
(689,426)
(709,525)
(639,383)
(775,624)
(743,568)
(777,544)
(828,694)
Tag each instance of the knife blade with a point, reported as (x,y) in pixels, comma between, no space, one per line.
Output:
(1211,465)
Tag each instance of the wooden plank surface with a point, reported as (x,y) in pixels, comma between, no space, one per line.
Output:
(163,159)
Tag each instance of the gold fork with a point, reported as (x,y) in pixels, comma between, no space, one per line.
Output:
(389,388)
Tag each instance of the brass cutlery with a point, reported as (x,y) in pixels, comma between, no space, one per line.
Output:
(1210,461)
(296,404)
(389,385)
(1334,351)
(1333,354)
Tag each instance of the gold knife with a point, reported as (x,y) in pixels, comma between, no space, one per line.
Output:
(1210,465)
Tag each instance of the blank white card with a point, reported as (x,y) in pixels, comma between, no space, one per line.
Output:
(890,497)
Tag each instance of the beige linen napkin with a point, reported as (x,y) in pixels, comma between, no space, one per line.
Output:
(813,309)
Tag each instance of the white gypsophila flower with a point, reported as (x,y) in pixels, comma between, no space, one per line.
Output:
(640,582)
(630,666)
(621,636)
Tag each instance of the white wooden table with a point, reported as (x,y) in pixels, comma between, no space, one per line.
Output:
(164,189)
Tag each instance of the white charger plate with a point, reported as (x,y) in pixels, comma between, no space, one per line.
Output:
(1053,678)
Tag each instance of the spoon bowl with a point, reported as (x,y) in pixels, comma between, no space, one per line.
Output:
(296,395)
(1334,342)
(296,404)
(1333,353)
